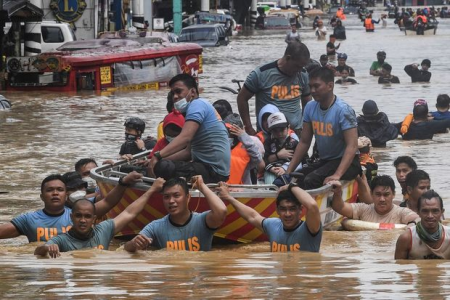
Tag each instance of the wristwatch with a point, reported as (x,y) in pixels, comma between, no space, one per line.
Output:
(157,155)
(121,183)
(291,185)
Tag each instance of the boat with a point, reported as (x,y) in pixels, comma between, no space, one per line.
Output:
(104,65)
(260,197)
(430,29)
(358,225)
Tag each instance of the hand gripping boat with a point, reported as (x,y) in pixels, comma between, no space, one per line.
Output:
(259,197)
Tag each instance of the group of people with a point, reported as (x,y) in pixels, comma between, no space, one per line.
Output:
(205,143)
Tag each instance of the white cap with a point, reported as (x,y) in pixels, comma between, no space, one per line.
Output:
(277,120)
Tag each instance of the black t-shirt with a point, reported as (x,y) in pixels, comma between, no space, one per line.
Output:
(331,45)
(393,79)
(351,72)
(271,146)
(425,130)
(349,80)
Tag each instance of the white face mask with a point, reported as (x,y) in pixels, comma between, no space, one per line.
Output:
(181,105)
(78,195)
(90,181)
(170,138)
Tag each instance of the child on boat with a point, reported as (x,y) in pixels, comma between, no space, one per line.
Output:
(279,147)
(172,125)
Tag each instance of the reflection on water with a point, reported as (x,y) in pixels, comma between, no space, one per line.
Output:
(46,133)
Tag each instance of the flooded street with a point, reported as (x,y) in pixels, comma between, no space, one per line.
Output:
(47,133)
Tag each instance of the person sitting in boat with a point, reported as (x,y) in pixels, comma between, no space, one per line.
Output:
(383,210)
(342,63)
(403,166)
(375,125)
(375,68)
(421,128)
(190,154)
(368,164)
(54,219)
(339,31)
(279,148)
(134,144)
(345,79)
(429,239)
(172,125)
(246,151)
(84,234)
(420,23)
(442,106)
(417,182)
(223,108)
(386,76)
(286,233)
(419,75)
(283,83)
(169,108)
(292,35)
(182,229)
(333,124)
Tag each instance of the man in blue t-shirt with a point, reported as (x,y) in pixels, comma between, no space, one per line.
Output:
(282,83)
(182,229)
(54,218)
(202,147)
(334,126)
(288,232)
(84,234)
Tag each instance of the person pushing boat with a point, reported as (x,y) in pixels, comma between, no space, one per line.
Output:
(286,233)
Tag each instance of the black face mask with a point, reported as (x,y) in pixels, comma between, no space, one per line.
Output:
(130,138)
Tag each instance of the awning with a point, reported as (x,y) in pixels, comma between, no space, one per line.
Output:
(21,11)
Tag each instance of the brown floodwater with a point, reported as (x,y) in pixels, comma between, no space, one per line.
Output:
(46,133)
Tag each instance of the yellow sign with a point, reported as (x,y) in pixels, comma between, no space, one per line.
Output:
(136,87)
(105,75)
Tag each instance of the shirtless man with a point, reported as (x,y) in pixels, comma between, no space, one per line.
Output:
(429,239)
(383,210)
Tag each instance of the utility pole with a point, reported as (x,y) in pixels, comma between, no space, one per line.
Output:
(177,17)
(2,25)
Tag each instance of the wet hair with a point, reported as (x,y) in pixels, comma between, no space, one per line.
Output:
(443,101)
(382,180)
(51,178)
(332,36)
(413,178)
(288,196)
(188,80)
(82,162)
(345,68)
(406,160)
(223,107)
(429,195)
(387,67)
(169,104)
(322,73)
(176,181)
(297,50)
(78,202)
(420,111)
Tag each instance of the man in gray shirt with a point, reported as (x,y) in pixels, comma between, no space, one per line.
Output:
(282,83)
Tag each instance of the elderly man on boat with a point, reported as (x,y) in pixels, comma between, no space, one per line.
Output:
(382,210)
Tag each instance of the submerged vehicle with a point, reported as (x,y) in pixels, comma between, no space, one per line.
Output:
(206,35)
(104,64)
(272,22)
(260,197)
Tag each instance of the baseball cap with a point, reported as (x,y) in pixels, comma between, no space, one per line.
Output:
(370,107)
(73,180)
(233,119)
(175,118)
(277,120)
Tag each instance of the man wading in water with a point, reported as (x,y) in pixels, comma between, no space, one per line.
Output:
(429,239)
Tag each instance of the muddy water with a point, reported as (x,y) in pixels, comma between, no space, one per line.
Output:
(46,133)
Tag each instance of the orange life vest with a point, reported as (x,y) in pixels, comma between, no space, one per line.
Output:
(365,158)
(368,24)
(260,136)
(239,162)
(424,19)
(340,14)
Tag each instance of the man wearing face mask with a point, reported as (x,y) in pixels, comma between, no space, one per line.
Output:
(202,147)
(134,144)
